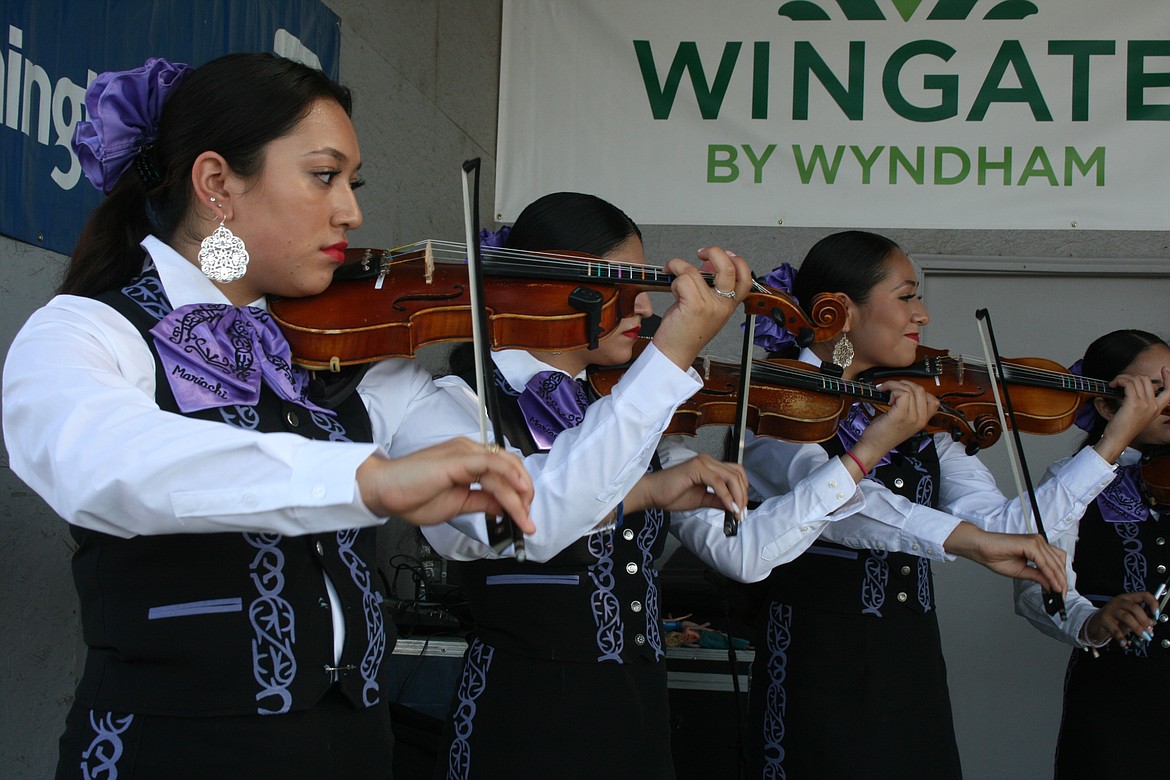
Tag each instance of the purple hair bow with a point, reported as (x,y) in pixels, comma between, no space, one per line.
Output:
(124,108)
(771,335)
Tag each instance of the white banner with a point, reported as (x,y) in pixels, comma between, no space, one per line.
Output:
(997,114)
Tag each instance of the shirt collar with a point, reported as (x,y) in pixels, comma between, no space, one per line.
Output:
(184,282)
(519,366)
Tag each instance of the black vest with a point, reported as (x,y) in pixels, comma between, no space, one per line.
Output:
(1115,558)
(878,583)
(595,601)
(229,623)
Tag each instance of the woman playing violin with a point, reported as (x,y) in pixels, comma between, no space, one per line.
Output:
(568,644)
(1117,575)
(849,679)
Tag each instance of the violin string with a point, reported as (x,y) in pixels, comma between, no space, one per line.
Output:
(1043,377)
(507,259)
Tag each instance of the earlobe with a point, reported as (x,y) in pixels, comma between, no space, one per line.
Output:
(1104,408)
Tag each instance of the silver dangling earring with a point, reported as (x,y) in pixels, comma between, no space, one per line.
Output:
(222,256)
(843,352)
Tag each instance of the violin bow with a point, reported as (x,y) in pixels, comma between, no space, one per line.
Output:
(739,432)
(1053,602)
(501,531)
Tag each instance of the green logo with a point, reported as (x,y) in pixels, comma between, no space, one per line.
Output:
(869,10)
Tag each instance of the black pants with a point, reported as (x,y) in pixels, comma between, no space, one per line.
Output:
(331,740)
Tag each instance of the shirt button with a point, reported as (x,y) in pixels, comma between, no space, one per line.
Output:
(636,606)
(914,546)
(804,529)
(319,491)
(292,418)
(905,571)
(902,596)
(249,499)
(628,534)
(898,482)
(639,640)
(320,548)
(840,495)
(631,568)
(832,483)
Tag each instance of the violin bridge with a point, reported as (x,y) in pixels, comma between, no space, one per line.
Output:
(706,367)
(429,263)
(960,369)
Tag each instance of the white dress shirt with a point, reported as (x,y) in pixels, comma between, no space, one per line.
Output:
(1029,595)
(967,491)
(83,430)
(591,467)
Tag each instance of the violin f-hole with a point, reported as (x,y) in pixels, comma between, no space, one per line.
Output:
(588,302)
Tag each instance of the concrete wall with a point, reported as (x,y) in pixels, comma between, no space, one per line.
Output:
(424,76)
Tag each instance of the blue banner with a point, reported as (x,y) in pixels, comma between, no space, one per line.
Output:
(54,50)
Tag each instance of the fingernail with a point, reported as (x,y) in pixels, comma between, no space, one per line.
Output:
(1146,635)
(735,506)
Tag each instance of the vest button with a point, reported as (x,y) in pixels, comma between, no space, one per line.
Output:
(628,534)
(636,606)
(898,482)
(1166,643)
(1161,540)
(320,548)
(292,418)
(639,640)
(1161,568)
(905,571)
(631,568)
(1163,617)
(902,596)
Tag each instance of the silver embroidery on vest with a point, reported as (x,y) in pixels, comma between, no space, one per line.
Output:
(274,663)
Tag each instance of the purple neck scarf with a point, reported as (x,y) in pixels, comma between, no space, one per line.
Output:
(1124,501)
(850,429)
(552,402)
(217,355)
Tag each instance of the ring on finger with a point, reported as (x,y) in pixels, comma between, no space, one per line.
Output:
(492,448)
(729,294)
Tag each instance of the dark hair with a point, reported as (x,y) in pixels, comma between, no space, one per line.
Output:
(571,222)
(1107,357)
(851,262)
(234,105)
(561,222)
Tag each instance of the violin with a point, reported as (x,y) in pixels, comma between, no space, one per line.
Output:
(1155,468)
(788,400)
(1045,395)
(389,303)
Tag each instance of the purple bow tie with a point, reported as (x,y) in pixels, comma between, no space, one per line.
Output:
(216,355)
(552,402)
(1123,501)
(855,423)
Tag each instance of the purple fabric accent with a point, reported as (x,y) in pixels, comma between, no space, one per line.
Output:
(494,237)
(1124,501)
(552,402)
(1087,416)
(216,355)
(771,335)
(850,429)
(124,108)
